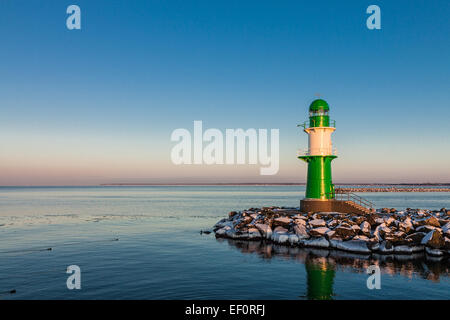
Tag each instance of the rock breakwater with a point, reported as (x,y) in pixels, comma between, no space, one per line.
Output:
(386,231)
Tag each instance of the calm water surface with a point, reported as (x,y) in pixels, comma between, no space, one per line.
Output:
(160,253)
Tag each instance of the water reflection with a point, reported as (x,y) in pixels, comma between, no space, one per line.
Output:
(322,264)
(320,272)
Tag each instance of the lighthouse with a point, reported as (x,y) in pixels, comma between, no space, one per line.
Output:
(320,193)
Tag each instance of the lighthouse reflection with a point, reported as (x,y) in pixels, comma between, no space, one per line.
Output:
(320,277)
(323,265)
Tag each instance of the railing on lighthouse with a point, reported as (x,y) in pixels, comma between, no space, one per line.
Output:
(307,124)
(317,152)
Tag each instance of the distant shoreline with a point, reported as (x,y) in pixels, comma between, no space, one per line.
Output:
(280,184)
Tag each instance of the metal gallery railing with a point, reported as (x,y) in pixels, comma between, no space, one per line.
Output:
(317,152)
(307,124)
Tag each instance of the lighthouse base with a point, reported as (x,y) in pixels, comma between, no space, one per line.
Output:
(316,205)
(332,205)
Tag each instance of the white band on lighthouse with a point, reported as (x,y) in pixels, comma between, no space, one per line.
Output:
(319,141)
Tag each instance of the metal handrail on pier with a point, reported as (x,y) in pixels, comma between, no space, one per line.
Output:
(349,196)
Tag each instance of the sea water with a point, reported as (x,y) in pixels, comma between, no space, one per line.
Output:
(145,243)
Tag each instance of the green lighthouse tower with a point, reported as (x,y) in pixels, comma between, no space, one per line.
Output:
(319,187)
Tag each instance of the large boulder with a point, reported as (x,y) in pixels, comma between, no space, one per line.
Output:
(331,234)
(243,221)
(389,221)
(446,229)
(231,214)
(300,222)
(434,239)
(253,233)
(386,247)
(358,219)
(430,221)
(371,219)
(365,228)
(396,237)
(415,238)
(345,231)
(362,238)
(381,231)
(222,232)
(223,223)
(317,223)
(281,221)
(333,223)
(280,235)
(406,226)
(352,245)
(425,228)
(265,230)
(316,242)
(301,232)
(293,238)
(318,232)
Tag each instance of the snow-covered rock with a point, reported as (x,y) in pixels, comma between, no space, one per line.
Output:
(300,231)
(317,223)
(223,223)
(280,235)
(365,228)
(253,233)
(386,247)
(434,239)
(265,230)
(434,252)
(318,232)
(315,242)
(404,249)
(293,239)
(301,222)
(282,221)
(222,231)
(351,245)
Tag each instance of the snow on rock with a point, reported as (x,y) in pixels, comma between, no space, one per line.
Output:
(434,252)
(351,245)
(365,228)
(223,223)
(253,233)
(433,239)
(265,230)
(315,242)
(317,223)
(300,222)
(361,237)
(406,226)
(385,231)
(280,235)
(223,231)
(446,229)
(403,249)
(386,247)
(282,221)
(300,231)
(293,239)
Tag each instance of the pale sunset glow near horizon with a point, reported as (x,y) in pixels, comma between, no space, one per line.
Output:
(98,105)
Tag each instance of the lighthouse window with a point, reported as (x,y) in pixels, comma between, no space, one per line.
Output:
(318,113)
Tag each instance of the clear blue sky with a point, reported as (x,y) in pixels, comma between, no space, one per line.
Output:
(98,105)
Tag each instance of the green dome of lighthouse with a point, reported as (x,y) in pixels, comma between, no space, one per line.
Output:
(319,105)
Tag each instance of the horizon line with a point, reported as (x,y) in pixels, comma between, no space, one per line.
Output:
(126,184)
